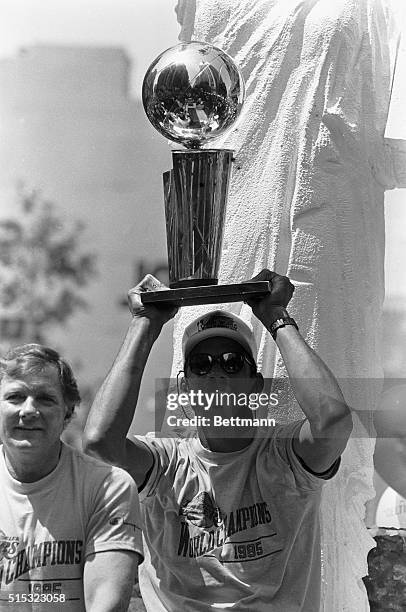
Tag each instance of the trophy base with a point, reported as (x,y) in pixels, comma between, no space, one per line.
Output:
(209,294)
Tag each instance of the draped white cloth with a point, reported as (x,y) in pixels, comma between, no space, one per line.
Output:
(306,200)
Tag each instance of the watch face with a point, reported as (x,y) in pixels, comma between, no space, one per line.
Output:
(279,323)
(282,322)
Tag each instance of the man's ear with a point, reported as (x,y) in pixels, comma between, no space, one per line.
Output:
(68,416)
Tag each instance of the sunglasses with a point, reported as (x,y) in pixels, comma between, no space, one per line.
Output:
(231,362)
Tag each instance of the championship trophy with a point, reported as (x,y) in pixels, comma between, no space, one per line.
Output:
(192,93)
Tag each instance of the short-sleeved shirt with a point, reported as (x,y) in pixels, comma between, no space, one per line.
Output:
(231,531)
(49,527)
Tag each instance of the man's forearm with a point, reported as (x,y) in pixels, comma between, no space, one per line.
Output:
(313,384)
(114,405)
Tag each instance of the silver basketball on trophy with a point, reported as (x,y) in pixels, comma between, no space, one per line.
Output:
(192,93)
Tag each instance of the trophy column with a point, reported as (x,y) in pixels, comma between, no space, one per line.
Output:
(195,200)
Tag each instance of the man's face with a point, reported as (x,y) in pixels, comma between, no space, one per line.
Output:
(32,410)
(217,379)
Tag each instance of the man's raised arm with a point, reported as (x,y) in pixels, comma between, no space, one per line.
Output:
(112,412)
(324,434)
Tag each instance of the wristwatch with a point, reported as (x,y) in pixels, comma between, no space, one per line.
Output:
(281,322)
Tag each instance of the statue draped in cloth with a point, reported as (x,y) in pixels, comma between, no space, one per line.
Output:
(306,200)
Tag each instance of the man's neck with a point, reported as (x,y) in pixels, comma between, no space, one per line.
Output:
(26,467)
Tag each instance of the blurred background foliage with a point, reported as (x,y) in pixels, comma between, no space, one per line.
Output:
(45,266)
(43,269)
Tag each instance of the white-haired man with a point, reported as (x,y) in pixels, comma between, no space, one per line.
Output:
(230,516)
(70,526)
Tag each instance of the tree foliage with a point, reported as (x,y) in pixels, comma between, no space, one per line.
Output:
(42,266)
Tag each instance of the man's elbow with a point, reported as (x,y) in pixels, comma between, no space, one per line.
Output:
(333,420)
(338,425)
(346,424)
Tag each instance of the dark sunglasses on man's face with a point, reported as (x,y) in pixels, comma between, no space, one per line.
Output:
(231,362)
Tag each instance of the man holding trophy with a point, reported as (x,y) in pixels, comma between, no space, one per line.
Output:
(230,517)
(231,514)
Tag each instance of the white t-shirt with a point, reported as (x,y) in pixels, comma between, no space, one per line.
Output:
(231,531)
(48,527)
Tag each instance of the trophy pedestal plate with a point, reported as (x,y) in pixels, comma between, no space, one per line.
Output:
(209,294)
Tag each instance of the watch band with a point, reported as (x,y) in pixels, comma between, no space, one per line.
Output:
(281,322)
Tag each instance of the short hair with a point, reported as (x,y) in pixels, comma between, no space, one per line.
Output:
(30,358)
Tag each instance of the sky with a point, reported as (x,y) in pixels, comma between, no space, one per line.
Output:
(143,27)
